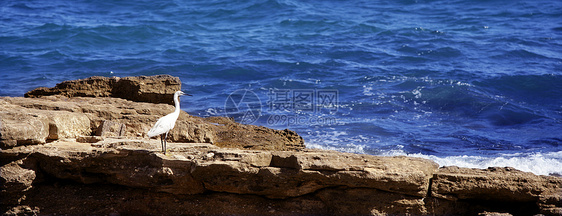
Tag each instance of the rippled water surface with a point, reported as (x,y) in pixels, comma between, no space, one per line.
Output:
(467,83)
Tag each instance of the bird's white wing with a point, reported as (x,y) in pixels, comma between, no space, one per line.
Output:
(163,125)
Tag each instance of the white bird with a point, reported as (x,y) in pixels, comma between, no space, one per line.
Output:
(167,123)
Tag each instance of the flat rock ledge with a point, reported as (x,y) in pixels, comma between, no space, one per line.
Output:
(131,176)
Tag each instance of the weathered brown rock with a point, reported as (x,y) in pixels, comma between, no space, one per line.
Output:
(36,120)
(20,128)
(505,184)
(106,199)
(204,168)
(235,135)
(121,164)
(64,124)
(24,126)
(69,107)
(522,191)
(400,175)
(228,170)
(111,128)
(15,180)
(152,89)
(551,203)
(367,201)
(89,139)
(132,176)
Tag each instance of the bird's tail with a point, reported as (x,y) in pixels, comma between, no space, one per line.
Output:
(152,133)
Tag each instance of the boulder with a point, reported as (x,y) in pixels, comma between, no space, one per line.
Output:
(368,201)
(15,180)
(18,127)
(551,203)
(24,126)
(516,191)
(493,184)
(234,135)
(152,89)
(64,124)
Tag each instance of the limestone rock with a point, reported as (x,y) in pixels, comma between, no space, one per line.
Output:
(22,128)
(551,203)
(194,166)
(235,135)
(111,116)
(367,201)
(90,87)
(15,180)
(396,174)
(192,129)
(89,139)
(506,184)
(62,117)
(152,89)
(64,124)
(111,128)
(119,165)
(131,176)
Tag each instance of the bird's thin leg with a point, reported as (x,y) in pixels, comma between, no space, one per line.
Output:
(165,138)
(162,141)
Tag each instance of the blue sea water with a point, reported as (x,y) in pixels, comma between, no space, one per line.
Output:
(468,83)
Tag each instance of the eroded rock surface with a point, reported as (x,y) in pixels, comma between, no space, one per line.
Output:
(152,89)
(194,177)
(27,121)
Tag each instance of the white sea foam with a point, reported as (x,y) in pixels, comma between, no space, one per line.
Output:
(342,148)
(538,163)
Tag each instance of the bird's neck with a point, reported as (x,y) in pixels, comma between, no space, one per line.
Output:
(177,103)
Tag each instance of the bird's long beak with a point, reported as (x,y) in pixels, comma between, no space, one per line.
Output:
(183,93)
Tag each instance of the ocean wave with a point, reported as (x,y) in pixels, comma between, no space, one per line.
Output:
(549,163)
(538,163)
(498,101)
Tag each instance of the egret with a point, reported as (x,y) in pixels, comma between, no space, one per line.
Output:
(167,123)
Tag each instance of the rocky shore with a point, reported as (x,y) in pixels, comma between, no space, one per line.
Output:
(81,148)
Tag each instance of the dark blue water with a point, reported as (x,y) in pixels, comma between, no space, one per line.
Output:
(467,83)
